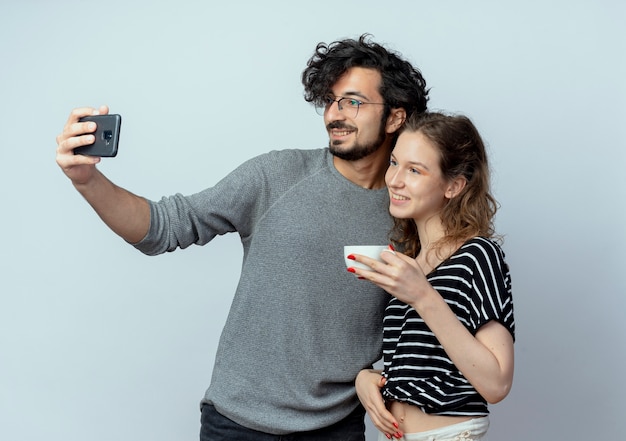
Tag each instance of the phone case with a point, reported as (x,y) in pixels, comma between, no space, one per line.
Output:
(107,136)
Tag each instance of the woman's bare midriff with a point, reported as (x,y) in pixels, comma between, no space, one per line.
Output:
(412,419)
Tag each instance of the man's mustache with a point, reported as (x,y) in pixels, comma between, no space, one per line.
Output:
(339,125)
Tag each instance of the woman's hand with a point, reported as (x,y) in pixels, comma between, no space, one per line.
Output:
(399,275)
(368,384)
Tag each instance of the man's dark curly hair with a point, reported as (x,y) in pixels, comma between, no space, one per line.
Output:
(402,85)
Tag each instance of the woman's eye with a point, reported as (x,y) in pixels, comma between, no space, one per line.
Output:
(392,162)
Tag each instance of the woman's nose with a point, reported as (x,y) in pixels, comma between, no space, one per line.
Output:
(391,178)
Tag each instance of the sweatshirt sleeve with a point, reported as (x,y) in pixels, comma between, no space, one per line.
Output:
(179,221)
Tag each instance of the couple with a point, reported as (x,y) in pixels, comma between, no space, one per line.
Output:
(297,337)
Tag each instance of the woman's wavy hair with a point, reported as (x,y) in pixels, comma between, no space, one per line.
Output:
(462,153)
(402,85)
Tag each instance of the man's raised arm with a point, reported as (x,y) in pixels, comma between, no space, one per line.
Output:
(127,214)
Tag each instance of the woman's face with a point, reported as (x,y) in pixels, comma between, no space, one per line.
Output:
(416,186)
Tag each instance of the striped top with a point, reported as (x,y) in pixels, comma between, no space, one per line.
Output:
(475,283)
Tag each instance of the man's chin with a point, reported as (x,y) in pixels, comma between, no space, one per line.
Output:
(346,155)
(349,154)
(337,149)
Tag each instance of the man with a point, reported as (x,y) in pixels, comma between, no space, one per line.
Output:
(300,327)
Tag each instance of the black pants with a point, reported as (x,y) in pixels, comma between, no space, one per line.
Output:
(216,427)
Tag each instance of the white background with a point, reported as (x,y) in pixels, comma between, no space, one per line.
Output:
(102,343)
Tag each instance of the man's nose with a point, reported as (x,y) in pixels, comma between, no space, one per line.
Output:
(333,112)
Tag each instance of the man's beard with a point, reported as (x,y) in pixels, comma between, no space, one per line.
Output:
(358,151)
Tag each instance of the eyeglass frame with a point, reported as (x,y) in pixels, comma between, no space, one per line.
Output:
(330,100)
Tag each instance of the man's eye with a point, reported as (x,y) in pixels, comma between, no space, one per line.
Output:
(353,102)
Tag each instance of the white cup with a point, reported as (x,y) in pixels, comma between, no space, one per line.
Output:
(372,251)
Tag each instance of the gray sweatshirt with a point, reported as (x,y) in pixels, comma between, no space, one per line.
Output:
(300,327)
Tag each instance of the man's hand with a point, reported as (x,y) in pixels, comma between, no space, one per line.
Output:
(79,168)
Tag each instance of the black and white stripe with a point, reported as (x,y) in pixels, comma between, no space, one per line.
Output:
(475,283)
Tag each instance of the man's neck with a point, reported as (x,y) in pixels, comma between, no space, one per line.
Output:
(368,172)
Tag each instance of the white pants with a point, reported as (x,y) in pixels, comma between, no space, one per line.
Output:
(472,430)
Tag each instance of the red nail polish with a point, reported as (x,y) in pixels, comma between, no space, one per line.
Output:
(351,270)
(395,425)
(388,436)
(391,247)
(351,257)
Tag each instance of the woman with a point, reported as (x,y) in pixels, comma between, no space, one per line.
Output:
(449,327)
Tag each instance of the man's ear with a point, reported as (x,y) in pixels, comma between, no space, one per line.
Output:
(455,187)
(395,120)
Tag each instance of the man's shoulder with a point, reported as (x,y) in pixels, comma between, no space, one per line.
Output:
(292,159)
(296,154)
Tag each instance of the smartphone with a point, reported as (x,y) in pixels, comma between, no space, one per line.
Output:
(107,136)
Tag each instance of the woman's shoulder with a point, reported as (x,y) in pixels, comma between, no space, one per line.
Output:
(482,242)
(482,249)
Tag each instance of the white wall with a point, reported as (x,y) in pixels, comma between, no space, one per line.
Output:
(98,341)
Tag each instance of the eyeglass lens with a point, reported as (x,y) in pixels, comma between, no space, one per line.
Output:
(348,106)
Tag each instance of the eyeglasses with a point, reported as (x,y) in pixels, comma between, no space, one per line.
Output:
(347,106)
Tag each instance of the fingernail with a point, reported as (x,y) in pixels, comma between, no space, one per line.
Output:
(361,278)
(395,425)
(351,257)
(391,247)
(388,436)
(351,270)
(398,435)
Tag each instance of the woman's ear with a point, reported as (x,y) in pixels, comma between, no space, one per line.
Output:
(395,120)
(455,187)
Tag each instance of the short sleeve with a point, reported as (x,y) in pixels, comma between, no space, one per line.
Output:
(491,293)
